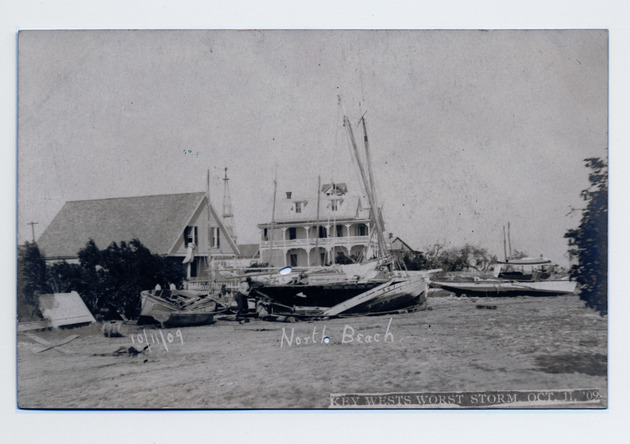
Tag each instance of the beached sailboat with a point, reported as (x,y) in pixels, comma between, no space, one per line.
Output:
(340,291)
(502,287)
(514,277)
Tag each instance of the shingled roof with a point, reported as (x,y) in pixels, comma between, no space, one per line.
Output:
(348,208)
(157,221)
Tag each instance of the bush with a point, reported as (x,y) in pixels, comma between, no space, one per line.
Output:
(109,281)
(590,239)
(452,259)
(31,281)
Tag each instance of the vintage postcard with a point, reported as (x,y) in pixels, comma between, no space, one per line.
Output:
(312,219)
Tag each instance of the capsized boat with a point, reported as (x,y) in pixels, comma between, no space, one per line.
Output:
(514,277)
(178,308)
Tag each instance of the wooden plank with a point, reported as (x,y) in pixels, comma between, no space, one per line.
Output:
(390,286)
(35,325)
(359,299)
(49,345)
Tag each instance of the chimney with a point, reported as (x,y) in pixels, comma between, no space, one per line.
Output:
(288,194)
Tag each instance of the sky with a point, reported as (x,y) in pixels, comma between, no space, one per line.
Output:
(468,130)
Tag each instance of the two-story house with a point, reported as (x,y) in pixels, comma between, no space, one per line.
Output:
(302,236)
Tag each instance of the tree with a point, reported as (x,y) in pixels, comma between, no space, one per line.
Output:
(31,281)
(415,260)
(589,241)
(110,281)
(517,254)
(452,259)
(476,257)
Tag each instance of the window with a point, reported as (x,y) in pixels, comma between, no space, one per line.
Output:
(216,237)
(292,233)
(362,230)
(334,205)
(322,232)
(265,235)
(190,236)
(293,260)
(339,230)
(298,207)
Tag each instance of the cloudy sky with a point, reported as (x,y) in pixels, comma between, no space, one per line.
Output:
(468,129)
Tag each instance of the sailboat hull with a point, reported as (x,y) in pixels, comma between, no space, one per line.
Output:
(349,298)
(498,288)
(324,295)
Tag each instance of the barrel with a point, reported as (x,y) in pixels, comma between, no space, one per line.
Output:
(113,329)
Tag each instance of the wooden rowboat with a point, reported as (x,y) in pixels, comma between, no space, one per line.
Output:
(178,308)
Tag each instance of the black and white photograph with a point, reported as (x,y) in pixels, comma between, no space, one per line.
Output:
(312,219)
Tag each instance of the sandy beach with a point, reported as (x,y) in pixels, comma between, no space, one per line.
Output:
(458,345)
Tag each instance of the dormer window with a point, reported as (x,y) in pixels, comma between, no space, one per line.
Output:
(298,206)
(334,204)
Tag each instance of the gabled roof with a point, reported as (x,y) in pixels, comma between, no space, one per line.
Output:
(403,245)
(157,221)
(338,189)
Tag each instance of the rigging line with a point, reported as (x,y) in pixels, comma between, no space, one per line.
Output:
(373,207)
(336,125)
(355,162)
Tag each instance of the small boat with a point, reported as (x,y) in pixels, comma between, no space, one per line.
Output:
(178,308)
(514,277)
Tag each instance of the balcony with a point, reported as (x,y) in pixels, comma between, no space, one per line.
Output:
(327,242)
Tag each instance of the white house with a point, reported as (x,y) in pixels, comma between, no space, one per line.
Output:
(302,236)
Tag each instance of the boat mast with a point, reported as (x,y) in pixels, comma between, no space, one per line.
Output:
(509,241)
(368,158)
(372,190)
(504,245)
(317,255)
(375,219)
(209,229)
(273,216)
